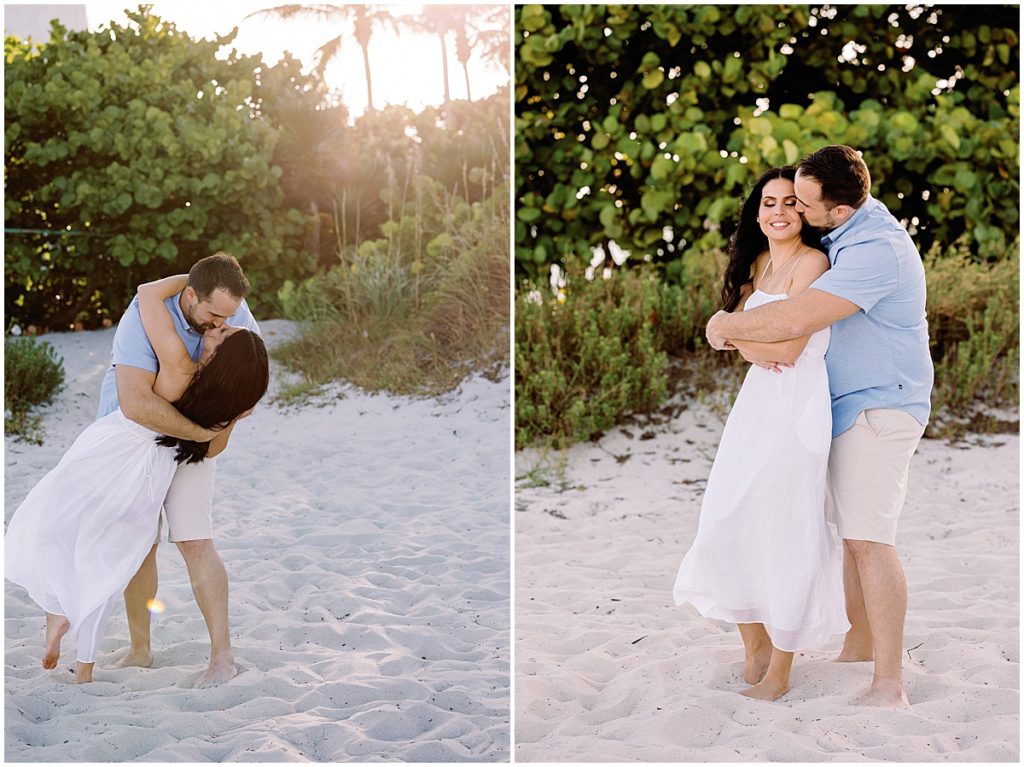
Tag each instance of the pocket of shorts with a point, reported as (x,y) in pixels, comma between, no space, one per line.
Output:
(875,428)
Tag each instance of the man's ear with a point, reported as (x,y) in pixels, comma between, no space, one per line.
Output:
(842,212)
(190,294)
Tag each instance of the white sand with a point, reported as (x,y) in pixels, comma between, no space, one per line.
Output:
(367,543)
(609,669)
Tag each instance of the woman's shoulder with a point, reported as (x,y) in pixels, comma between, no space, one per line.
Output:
(814,260)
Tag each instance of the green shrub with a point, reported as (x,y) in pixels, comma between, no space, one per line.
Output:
(33,374)
(973,320)
(643,124)
(589,356)
(387,320)
(614,347)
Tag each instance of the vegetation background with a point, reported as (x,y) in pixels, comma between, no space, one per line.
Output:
(639,130)
(133,151)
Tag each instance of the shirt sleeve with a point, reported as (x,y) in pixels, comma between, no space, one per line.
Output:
(131,346)
(863,273)
(243,319)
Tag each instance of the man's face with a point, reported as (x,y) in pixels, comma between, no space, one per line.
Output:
(211,313)
(809,204)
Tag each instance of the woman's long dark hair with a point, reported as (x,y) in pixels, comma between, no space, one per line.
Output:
(748,241)
(231,382)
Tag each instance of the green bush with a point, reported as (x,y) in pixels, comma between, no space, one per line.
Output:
(604,349)
(33,374)
(590,355)
(644,124)
(384,319)
(974,325)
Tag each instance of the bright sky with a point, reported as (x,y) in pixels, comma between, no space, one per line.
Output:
(406,68)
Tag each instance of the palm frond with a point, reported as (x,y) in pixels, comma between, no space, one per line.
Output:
(325,53)
(321,12)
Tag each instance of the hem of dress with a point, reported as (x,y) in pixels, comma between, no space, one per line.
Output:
(817,635)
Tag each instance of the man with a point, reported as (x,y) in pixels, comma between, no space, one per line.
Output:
(880,377)
(215,295)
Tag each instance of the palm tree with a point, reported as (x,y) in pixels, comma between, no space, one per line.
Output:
(489,30)
(364,19)
(439,20)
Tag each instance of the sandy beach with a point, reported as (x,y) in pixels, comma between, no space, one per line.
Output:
(608,669)
(366,539)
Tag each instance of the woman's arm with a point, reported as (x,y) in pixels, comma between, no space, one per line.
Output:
(176,366)
(813,265)
(220,442)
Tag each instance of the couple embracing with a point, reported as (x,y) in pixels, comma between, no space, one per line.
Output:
(825,294)
(187,363)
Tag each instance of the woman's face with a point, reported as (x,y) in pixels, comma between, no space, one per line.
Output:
(777,213)
(213,338)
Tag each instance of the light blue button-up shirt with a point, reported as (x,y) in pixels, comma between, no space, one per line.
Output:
(132,347)
(877,357)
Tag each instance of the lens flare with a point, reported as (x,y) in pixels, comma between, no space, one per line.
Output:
(155,606)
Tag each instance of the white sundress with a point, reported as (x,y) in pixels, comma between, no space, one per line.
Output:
(82,532)
(764,552)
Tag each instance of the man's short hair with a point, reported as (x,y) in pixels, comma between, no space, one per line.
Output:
(842,174)
(219,271)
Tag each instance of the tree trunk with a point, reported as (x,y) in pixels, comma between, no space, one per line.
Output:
(465,71)
(369,84)
(444,66)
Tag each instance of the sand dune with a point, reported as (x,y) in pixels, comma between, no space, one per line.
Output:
(609,669)
(367,543)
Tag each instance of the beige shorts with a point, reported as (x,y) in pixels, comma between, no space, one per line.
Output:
(188,506)
(868,467)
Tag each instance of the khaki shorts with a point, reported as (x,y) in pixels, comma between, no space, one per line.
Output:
(188,506)
(868,467)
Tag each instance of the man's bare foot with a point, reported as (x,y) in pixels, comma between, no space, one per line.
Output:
(221,669)
(83,672)
(56,627)
(755,665)
(136,656)
(884,695)
(767,689)
(854,654)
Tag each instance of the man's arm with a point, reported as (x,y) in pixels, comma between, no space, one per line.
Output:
(141,404)
(805,313)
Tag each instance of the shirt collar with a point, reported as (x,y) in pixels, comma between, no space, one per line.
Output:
(829,239)
(174,305)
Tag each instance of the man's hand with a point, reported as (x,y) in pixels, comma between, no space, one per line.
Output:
(714,335)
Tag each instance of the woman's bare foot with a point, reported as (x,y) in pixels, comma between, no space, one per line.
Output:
(83,672)
(767,689)
(221,669)
(56,627)
(755,664)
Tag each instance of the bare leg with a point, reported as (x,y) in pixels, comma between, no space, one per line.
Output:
(857,644)
(776,680)
(56,627)
(885,600)
(83,672)
(138,596)
(757,651)
(210,586)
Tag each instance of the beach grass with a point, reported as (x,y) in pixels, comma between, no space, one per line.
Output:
(596,349)
(384,321)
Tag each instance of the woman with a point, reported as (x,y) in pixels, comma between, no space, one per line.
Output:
(83,531)
(764,557)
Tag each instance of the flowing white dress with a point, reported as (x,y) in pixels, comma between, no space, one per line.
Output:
(764,552)
(82,532)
